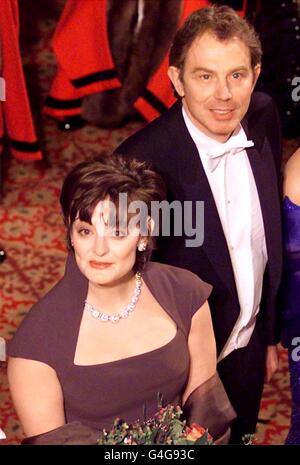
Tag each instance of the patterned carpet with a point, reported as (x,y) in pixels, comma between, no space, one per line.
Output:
(32,231)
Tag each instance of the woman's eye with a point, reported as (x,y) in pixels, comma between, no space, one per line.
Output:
(118,233)
(84,232)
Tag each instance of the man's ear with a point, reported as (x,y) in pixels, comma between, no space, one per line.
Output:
(174,75)
(256,73)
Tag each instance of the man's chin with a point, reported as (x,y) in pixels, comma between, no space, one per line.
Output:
(225,129)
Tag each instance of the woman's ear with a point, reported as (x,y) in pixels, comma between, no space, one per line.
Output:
(151,225)
(143,242)
(71,238)
(142,246)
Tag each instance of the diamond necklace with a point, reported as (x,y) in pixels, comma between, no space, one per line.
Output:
(116,317)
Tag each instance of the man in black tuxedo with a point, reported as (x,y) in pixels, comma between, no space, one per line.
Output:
(220,143)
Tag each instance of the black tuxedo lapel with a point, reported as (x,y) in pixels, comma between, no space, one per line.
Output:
(193,185)
(264,172)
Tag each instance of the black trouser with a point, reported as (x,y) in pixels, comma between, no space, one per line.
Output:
(242,373)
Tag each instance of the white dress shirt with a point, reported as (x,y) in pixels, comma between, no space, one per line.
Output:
(235,194)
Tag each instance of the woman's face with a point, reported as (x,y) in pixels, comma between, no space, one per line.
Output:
(103,255)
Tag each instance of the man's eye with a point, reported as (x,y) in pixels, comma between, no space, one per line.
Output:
(205,77)
(236,75)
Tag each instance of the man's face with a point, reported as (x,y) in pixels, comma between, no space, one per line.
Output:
(216,84)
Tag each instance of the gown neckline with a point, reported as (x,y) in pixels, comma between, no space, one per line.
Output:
(288,201)
(137,357)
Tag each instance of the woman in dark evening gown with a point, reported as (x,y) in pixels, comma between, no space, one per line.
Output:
(77,362)
(291,287)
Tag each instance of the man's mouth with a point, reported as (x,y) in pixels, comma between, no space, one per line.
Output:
(222,114)
(222,111)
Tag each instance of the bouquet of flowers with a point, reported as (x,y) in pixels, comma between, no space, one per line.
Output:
(166,427)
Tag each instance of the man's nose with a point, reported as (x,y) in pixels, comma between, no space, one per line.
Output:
(223,91)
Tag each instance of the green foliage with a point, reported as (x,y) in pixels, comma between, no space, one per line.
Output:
(166,427)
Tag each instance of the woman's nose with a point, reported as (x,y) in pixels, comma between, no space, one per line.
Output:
(100,244)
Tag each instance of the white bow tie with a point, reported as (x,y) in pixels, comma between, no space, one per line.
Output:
(233,147)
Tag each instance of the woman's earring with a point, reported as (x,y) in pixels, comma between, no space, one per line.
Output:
(142,247)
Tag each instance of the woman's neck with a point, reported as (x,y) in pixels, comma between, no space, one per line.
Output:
(114,296)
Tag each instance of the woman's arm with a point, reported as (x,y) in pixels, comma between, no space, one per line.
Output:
(202,348)
(205,401)
(37,395)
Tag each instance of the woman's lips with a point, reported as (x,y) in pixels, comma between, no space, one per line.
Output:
(99,265)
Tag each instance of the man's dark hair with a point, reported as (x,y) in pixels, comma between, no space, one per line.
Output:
(224,23)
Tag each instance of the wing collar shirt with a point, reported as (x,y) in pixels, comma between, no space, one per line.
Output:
(234,190)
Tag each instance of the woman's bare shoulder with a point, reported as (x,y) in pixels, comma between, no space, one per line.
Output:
(292,178)
(293,162)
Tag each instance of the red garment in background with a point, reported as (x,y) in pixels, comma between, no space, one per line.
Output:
(15,118)
(85,64)
(158,95)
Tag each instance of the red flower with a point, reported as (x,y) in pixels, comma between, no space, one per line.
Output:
(195,432)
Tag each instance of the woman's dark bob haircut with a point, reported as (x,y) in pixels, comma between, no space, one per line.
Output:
(104,178)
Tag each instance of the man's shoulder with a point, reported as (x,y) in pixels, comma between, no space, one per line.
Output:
(153,133)
(260,98)
(260,102)
(262,119)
